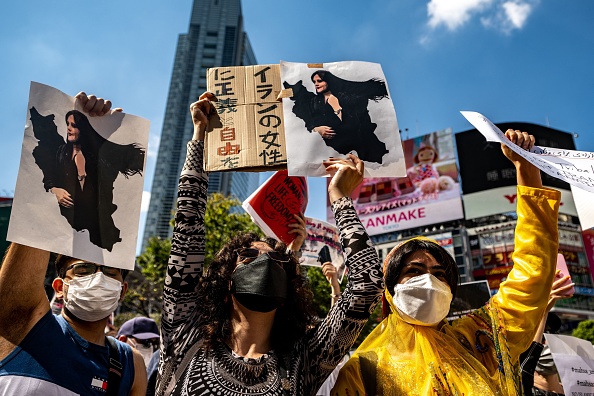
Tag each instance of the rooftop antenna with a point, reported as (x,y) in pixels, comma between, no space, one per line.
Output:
(547,121)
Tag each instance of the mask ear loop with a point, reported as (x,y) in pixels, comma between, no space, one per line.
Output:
(63,293)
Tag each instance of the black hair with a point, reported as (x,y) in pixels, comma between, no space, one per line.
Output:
(127,159)
(373,89)
(62,262)
(396,262)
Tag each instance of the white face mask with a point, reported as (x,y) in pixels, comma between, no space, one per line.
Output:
(92,297)
(423,300)
(145,351)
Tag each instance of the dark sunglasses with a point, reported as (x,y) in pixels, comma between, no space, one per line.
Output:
(249,254)
(83,269)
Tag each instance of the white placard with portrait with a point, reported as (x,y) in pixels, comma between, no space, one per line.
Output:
(80,180)
(333,109)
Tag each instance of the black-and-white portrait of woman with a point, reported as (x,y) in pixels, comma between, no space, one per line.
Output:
(339,109)
(81,170)
(80,180)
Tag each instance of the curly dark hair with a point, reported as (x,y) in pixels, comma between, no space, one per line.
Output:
(292,319)
(396,262)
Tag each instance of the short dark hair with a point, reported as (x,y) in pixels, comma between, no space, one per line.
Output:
(396,260)
(62,262)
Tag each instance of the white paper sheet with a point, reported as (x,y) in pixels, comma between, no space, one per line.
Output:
(320,234)
(583,204)
(571,166)
(306,149)
(574,359)
(37,218)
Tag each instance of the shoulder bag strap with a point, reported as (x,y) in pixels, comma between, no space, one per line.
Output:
(114,375)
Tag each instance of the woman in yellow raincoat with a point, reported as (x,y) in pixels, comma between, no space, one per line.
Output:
(414,351)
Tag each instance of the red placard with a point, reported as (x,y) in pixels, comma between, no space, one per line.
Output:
(273,205)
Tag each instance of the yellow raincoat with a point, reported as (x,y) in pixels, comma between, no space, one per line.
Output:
(478,354)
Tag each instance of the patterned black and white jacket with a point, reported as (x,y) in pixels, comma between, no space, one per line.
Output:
(221,371)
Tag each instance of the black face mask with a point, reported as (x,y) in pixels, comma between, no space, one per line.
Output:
(261,285)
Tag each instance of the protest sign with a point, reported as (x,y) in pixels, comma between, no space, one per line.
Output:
(248,132)
(80,180)
(571,166)
(469,296)
(333,109)
(490,186)
(574,359)
(583,204)
(274,204)
(319,235)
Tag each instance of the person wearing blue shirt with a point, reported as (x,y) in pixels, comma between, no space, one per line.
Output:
(67,354)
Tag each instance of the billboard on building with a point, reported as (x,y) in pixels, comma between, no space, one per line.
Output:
(429,194)
(491,248)
(489,179)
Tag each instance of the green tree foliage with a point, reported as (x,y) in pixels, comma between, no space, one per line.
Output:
(585,330)
(321,290)
(223,219)
(145,285)
(322,298)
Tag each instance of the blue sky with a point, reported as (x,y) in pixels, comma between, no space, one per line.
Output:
(512,60)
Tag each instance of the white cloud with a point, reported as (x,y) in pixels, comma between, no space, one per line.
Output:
(503,15)
(453,13)
(509,15)
(146,199)
(517,13)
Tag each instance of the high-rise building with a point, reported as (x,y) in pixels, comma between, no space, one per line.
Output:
(215,38)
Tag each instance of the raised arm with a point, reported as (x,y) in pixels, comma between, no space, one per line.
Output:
(22,294)
(335,335)
(187,245)
(529,358)
(23,270)
(559,291)
(523,297)
(331,275)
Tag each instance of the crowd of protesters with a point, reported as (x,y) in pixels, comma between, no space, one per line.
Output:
(246,325)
